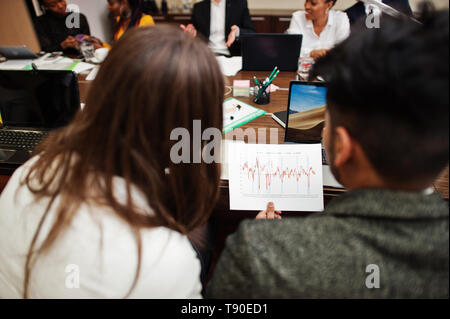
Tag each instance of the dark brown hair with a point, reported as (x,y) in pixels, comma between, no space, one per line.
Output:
(153,81)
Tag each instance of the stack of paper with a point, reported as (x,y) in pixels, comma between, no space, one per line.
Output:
(47,62)
(241,88)
(15,64)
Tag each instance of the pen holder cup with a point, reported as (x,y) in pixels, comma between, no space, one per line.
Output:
(261,97)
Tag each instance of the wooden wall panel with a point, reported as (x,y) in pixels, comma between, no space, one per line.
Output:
(16,27)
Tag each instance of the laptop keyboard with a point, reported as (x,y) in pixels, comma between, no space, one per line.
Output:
(21,139)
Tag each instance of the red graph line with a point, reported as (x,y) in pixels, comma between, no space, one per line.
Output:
(269,173)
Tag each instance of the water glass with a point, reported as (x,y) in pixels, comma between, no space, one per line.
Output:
(304,67)
(88,50)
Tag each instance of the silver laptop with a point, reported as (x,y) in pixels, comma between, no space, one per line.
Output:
(305,120)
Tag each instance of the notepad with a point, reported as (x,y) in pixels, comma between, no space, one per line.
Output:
(237,113)
(241,88)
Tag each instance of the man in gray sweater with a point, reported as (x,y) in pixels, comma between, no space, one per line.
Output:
(386,136)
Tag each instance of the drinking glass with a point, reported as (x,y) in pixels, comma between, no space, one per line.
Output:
(88,50)
(304,66)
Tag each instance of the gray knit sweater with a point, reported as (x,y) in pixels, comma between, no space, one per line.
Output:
(327,255)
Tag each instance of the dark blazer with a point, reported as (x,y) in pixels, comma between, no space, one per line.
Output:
(356,13)
(236,13)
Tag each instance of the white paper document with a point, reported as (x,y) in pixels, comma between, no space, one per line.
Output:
(15,64)
(230,66)
(290,176)
(224,157)
(93,74)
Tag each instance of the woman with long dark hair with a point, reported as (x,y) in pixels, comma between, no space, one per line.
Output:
(128,14)
(102,211)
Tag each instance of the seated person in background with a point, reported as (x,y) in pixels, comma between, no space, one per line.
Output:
(128,14)
(103,196)
(322,28)
(358,12)
(388,236)
(53,32)
(221,22)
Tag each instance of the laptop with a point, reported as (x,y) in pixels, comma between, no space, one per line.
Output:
(305,120)
(262,52)
(17,53)
(32,103)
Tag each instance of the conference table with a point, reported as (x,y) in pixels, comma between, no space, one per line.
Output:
(278,102)
(223,221)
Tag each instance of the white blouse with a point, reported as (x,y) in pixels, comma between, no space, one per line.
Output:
(336,30)
(96,257)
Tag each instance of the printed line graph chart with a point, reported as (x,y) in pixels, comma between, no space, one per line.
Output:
(277,173)
(288,175)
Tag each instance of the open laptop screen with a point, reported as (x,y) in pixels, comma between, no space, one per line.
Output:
(262,52)
(306,111)
(38,99)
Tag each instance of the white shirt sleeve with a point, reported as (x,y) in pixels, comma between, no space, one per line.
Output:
(342,27)
(295,26)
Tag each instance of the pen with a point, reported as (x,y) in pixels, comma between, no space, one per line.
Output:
(270,82)
(273,72)
(256,81)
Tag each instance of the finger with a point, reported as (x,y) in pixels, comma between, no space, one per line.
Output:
(183,27)
(270,210)
(261,215)
(278,216)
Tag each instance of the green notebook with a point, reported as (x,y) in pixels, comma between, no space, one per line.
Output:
(237,113)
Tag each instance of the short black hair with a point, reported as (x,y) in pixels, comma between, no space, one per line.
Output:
(389,88)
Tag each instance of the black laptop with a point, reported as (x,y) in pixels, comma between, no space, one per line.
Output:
(262,52)
(17,52)
(32,103)
(306,118)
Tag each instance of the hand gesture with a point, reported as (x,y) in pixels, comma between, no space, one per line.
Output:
(232,36)
(269,213)
(69,42)
(315,54)
(189,29)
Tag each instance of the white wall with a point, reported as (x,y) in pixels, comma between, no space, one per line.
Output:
(97,15)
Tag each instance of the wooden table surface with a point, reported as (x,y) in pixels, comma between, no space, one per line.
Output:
(278,103)
(223,222)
